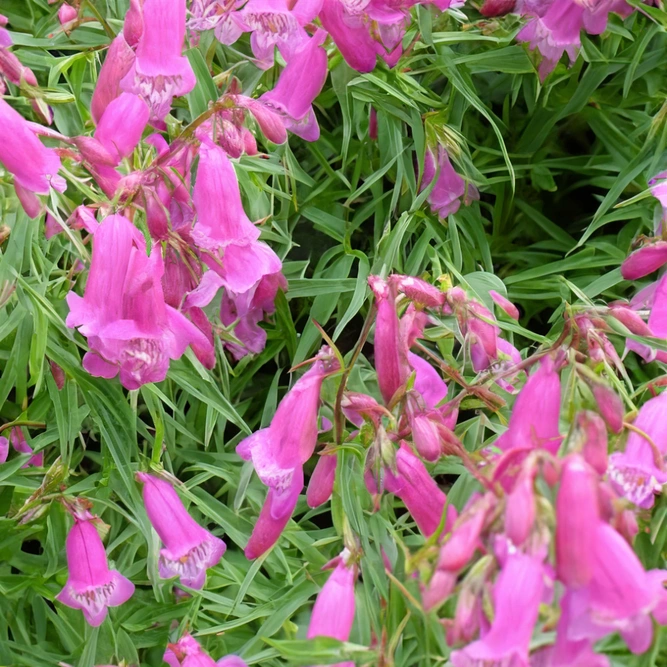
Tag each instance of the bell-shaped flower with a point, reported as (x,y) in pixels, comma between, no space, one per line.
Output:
(160,72)
(610,406)
(187,652)
(298,85)
(116,65)
(592,431)
(391,361)
(189,550)
(645,260)
(639,472)
(520,509)
(279,452)
(577,517)
(133,25)
(534,419)
(67,14)
(423,498)
(34,166)
(91,586)
(221,17)
(321,483)
(129,327)
(449,189)
(516,600)
(20,445)
(277,23)
(333,611)
(504,304)
(120,128)
(223,231)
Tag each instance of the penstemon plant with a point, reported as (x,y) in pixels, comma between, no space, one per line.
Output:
(333,332)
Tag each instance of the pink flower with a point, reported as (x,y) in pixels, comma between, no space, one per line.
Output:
(505,304)
(279,452)
(639,472)
(333,612)
(449,189)
(657,325)
(129,327)
(659,190)
(20,445)
(516,596)
(223,231)
(391,361)
(189,550)
(160,72)
(187,652)
(273,23)
(594,434)
(120,58)
(298,85)
(4,449)
(35,167)
(219,16)
(418,291)
(577,517)
(534,418)
(414,485)
(610,406)
(120,128)
(520,510)
(66,13)
(645,260)
(321,483)
(91,586)
(133,26)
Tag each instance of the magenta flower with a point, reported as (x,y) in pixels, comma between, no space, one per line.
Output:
(657,325)
(298,85)
(423,498)
(120,58)
(333,612)
(520,510)
(449,189)
(66,14)
(516,597)
(91,585)
(189,550)
(219,16)
(223,231)
(187,652)
(645,260)
(504,304)
(273,23)
(391,361)
(593,431)
(35,167)
(129,327)
(4,449)
(658,186)
(610,406)
(321,483)
(279,452)
(160,72)
(120,128)
(133,25)
(534,418)
(639,472)
(577,517)
(20,445)
(418,291)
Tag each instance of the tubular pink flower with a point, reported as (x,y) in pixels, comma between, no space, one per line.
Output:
(577,517)
(639,472)
(160,72)
(516,595)
(646,260)
(426,435)
(321,483)
(217,15)
(333,612)
(418,290)
(120,128)
(4,449)
(223,230)
(91,586)
(428,383)
(658,186)
(129,327)
(299,84)
(187,652)
(14,70)
(279,452)
(120,58)
(422,497)
(20,445)
(464,539)
(391,361)
(520,510)
(270,123)
(504,304)
(657,325)
(610,406)
(189,550)
(534,418)
(66,13)
(449,188)
(133,26)
(594,434)
(35,167)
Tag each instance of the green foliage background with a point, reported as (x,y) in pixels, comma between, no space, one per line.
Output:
(562,168)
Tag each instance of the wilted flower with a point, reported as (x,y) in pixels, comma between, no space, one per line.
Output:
(189,550)
(91,586)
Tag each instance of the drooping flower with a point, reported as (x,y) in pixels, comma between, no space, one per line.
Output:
(189,550)
(67,13)
(129,327)
(120,128)
(423,498)
(534,418)
(117,63)
(449,189)
(221,17)
(639,472)
(223,231)
(160,72)
(321,483)
(645,260)
(20,445)
(279,452)
(656,326)
(516,600)
(520,509)
(91,586)
(298,85)
(391,361)
(34,166)
(333,612)
(505,304)
(187,652)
